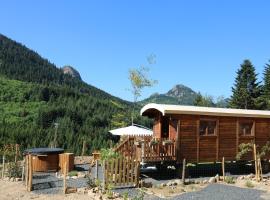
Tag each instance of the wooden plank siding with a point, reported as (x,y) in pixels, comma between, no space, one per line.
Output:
(157,127)
(196,148)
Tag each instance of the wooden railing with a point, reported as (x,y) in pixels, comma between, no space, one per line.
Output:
(154,150)
(127,147)
(147,149)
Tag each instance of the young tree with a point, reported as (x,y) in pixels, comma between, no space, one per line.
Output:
(246,90)
(206,100)
(221,102)
(139,80)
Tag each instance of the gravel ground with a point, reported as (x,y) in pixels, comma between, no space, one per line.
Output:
(211,192)
(48,183)
(222,192)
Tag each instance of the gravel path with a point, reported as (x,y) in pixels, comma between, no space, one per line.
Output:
(211,192)
(222,192)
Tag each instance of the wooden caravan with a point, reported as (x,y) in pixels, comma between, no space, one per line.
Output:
(202,134)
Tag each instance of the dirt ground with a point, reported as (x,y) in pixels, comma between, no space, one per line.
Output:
(17,191)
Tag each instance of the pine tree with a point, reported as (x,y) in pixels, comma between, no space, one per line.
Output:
(266,86)
(246,90)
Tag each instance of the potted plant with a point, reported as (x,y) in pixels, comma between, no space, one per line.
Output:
(137,143)
(166,142)
(153,142)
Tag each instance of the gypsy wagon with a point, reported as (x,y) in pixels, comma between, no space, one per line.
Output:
(204,134)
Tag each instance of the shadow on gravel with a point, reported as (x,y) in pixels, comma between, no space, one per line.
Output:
(46,185)
(41,176)
(197,171)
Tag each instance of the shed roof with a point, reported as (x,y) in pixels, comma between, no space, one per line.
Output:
(39,151)
(196,110)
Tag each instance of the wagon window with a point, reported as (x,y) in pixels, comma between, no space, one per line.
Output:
(165,127)
(246,128)
(208,127)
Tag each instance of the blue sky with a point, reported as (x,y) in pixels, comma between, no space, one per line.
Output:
(197,43)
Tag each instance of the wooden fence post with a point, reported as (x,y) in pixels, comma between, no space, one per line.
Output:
(65,178)
(104,176)
(137,173)
(223,168)
(26,171)
(16,154)
(260,169)
(184,171)
(255,162)
(23,169)
(3,166)
(83,148)
(30,173)
(96,174)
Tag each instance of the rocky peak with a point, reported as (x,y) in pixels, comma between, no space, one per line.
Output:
(180,91)
(71,71)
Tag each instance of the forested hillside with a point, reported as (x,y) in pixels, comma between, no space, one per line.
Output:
(35,94)
(20,63)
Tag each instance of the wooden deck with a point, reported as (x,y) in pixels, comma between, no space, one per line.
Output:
(147,149)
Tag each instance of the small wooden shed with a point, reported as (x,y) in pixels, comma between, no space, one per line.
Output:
(204,134)
(45,159)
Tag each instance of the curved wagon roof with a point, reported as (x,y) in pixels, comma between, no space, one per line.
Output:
(196,110)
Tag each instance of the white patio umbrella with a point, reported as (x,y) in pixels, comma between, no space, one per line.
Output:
(132,130)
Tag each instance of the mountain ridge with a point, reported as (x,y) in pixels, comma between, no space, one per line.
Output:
(179,94)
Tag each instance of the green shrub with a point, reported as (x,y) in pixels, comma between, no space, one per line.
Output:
(108,154)
(73,173)
(98,183)
(109,191)
(243,149)
(249,184)
(14,170)
(90,182)
(229,180)
(125,195)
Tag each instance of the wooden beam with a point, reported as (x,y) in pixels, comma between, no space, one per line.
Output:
(177,144)
(184,171)
(198,139)
(237,136)
(217,140)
